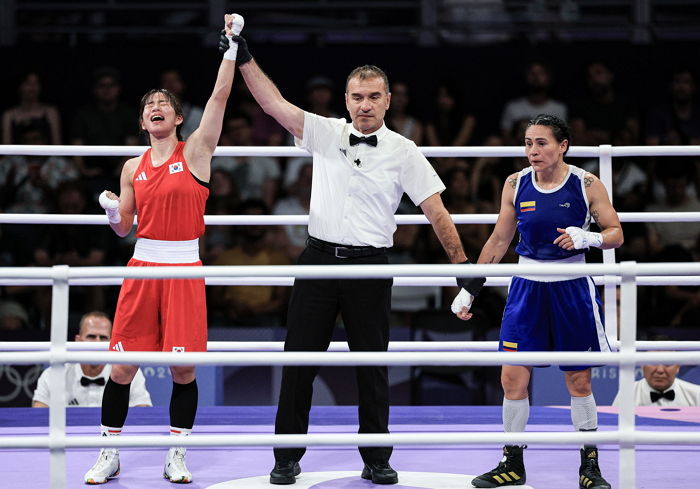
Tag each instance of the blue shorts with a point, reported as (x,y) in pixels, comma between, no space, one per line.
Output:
(553,316)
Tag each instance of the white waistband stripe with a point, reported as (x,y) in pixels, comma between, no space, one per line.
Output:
(158,251)
(523,260)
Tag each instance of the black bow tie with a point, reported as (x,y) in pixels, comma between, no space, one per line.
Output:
(86,381)
(371,140)
(655,396)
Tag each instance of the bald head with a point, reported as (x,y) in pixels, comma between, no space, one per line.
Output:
(94,326)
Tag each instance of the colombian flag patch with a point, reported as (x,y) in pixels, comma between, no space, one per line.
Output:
(510,346)
(527,206)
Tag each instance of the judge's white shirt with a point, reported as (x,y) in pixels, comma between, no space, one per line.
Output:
(90,395)
(687,394)
(355,190)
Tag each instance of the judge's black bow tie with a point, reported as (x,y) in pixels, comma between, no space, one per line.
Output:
(371,140)
(670,395)
(86,381)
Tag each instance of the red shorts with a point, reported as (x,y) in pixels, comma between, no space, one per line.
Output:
(161,314)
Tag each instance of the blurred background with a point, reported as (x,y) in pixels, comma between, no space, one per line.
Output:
(462,73)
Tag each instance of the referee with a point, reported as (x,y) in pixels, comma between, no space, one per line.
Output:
(360,172)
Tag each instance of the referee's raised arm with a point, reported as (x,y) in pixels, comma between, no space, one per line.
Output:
(266,93)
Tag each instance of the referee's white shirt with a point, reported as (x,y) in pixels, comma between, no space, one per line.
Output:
(687,394)
(90,395)
(356,190)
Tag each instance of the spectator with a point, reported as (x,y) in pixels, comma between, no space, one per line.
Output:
(677,199)
(602,111)
(28,183)
(265,130)
(399,118)
(257,177)
(106,122)
(459,200)
(70,244)
(675,305)
(172,81)
(536,101)
(488,173)
(660,387)
(13,316)
(292,238)
(449,126)
(224,199)
(630,181)
(251,305)
(85,382)
(319,95)
(16,380)
(31,114)
(676,121)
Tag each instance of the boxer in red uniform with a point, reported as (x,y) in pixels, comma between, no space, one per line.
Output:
(167,187)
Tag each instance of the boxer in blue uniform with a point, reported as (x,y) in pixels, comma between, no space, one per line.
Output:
(551,204)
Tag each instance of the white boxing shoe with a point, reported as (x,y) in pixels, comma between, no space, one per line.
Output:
(175,469)
(106,467)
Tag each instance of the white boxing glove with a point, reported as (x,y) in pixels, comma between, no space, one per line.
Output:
(111,207)
(463,299)
(236,28)
(584,239)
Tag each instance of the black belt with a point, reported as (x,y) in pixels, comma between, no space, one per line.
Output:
(344,251)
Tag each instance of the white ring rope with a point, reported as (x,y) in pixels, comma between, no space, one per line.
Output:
(364,439)
(290,151)
(350,358)
(280,151)
(356,271)
(260,346)
(627,437)
(398,281)
(302,220)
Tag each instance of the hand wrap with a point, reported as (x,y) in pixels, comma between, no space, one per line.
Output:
(111,207)
(228,48)
(463,299)
(584,239)
(470,289)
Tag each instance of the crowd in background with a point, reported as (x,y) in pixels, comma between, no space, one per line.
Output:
(266,185)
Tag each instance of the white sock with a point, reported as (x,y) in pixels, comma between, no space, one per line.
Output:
(584,415)
(515,414)
(180,431)
(110,431)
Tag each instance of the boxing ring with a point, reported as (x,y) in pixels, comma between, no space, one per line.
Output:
(435,447)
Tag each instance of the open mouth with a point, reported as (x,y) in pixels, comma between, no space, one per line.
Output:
(157,117)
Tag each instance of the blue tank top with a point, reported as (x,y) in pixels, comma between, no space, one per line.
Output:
(540,212)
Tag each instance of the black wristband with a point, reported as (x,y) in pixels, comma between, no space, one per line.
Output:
(243,55)
(473,285)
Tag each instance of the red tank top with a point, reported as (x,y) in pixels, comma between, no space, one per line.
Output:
(169,199)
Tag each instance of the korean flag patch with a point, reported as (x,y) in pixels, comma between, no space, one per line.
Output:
(175,167)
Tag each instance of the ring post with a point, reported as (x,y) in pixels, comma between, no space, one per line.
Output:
(628,336)
(610,285)
(57,388)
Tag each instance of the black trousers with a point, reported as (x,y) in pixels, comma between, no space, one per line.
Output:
(365,306)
